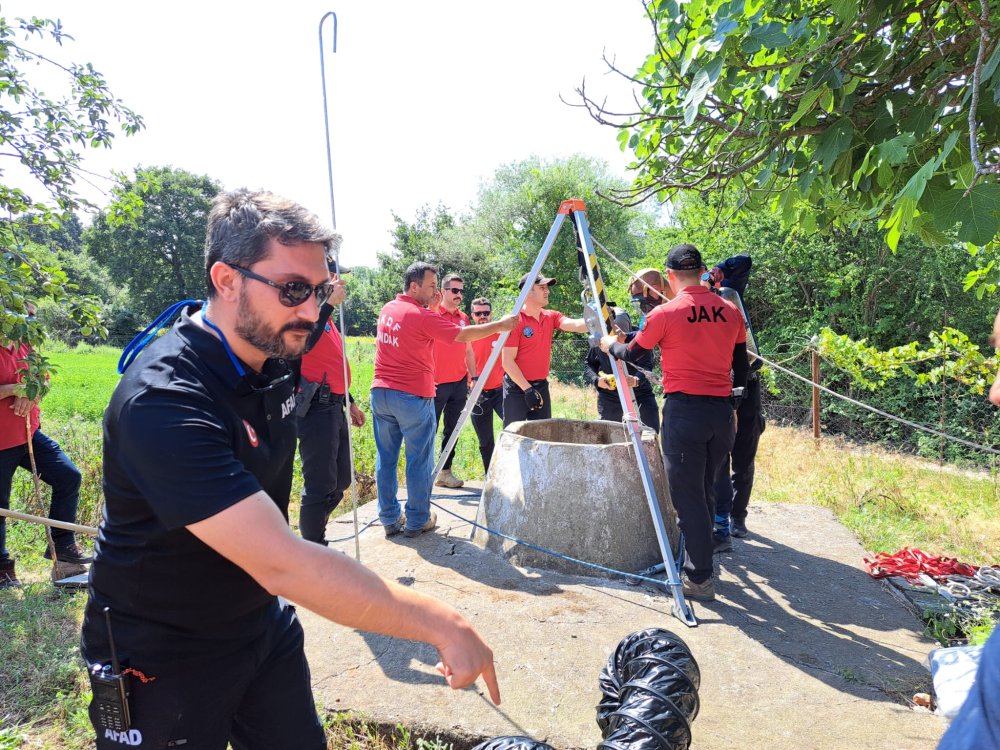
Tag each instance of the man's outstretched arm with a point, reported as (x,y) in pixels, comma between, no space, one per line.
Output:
(253,535)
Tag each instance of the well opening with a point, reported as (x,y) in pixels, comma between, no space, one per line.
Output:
(572,431)
(574,487)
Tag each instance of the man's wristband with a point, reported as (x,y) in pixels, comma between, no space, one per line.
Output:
(475,378)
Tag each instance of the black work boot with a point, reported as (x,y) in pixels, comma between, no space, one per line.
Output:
(71,553)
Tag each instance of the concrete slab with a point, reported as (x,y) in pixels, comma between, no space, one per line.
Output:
(802,649)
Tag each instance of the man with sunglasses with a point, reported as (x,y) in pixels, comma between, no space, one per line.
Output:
(491,397)
(454,364)
(403,396)
(527,353)
(195,564)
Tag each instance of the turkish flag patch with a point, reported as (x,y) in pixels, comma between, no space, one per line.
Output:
(251,433)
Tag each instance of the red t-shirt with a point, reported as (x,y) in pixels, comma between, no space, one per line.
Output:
(12,432)
(482,349)
(696,332)
(327,358)
(404,346)
(449,356)
(532,337)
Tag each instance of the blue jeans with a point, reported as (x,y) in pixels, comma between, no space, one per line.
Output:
(399,417)
(55,469)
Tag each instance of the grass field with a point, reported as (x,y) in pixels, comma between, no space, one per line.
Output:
(888,501)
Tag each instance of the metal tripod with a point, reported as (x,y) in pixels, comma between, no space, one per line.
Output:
(577,210)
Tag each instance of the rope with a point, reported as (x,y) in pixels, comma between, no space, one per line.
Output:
(628,270)
(880,412)
(552,553)
(543,550)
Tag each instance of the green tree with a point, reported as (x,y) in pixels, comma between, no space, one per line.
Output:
(64,234)
(516,210)
(849,282)
(42,139)
(365,297)
(499,240)
(158,254)
(832,112)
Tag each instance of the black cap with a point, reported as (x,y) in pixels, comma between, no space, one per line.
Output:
(335,267)
(684,258)
(539,280)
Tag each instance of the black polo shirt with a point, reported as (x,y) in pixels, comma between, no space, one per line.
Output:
(185,437)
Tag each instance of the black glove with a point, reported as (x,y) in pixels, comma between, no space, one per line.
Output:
(533,399)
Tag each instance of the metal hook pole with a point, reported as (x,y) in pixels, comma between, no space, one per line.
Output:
(336,261)
(326,109)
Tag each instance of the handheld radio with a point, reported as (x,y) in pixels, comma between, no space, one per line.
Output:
(110,688)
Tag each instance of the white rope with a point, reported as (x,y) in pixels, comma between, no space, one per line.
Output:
(887,415)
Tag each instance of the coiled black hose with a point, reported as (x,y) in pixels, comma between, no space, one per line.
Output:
(650,693)
(512,743)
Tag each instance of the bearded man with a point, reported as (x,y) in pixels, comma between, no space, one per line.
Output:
(195,564)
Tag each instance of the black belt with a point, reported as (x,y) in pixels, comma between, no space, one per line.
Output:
(692,397)
(328,398)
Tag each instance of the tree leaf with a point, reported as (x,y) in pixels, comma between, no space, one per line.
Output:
(833,142)
(696,95)
(806,103)
(978,213)
(896,150)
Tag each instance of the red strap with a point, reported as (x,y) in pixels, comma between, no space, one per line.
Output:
(139,675)
(910,562)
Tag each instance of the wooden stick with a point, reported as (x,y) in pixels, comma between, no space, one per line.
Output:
(89,530)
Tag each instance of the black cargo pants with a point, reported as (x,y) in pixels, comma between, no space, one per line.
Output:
(697,436)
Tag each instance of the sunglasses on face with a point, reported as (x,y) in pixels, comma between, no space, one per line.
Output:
(291,293)
(480,313)
(453,290)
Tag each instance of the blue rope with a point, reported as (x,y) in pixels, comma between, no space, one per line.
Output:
(139,342)
(551,553)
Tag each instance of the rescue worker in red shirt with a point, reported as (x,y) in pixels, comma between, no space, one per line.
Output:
(402,396)
(703,355)
(527,354)
(19,416)
(491,398)
(454,364)
(323,439)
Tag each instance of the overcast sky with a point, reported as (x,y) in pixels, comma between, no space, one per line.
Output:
(426,99)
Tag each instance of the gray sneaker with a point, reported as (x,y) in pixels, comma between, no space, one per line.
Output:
(432,521)
(447,479)
(740,528)
(700,592)
(395,527)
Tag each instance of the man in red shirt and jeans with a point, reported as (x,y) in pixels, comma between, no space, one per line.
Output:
(19,416)
(528,353)
(402,396)
(454,364)
(703,354)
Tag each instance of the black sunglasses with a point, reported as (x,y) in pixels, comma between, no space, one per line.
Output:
(281,379)
(481,313)
(454,291)
(291,293)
